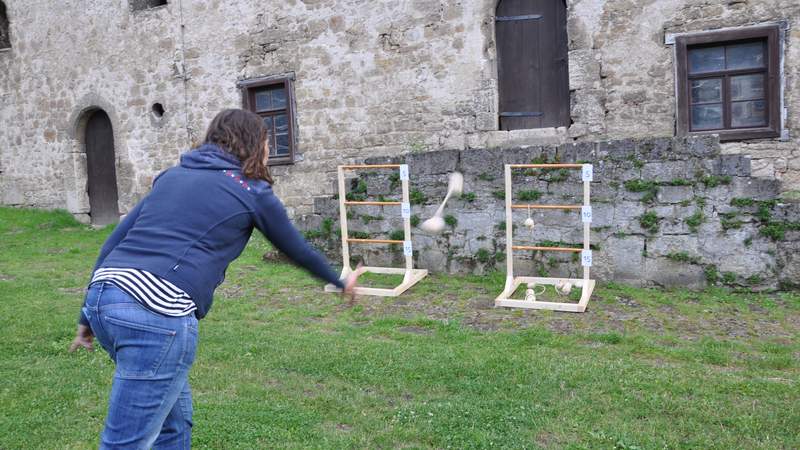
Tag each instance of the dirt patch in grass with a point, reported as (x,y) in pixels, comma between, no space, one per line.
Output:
(415,330)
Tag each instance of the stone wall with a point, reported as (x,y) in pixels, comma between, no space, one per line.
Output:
(372,79)
(666,212)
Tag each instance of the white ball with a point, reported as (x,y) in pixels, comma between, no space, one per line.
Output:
(433,225)
(529,223)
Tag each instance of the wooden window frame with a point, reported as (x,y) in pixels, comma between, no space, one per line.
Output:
(249,88)
(773,83)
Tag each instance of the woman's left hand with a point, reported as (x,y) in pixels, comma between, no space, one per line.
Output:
(350,284)
(83,338)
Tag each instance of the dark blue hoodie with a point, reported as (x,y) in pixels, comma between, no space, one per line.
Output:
(197,219)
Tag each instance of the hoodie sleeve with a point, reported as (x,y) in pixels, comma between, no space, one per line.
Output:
(118,234)
(121,230)
(272,221)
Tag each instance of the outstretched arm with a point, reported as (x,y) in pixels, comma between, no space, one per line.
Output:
(272,221)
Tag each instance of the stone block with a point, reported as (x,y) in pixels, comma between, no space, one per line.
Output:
(431,258)
(524,155)
(584,69)
(665,245)
(537,136)
(755,188)
(617,150)
(438,162)
(733,165)
(788,259)
(654,149)
(485,121)
(624,172)
(729,254)
(787,211)
(703,146)
(670,227)
(308,222)
(602,215)
(602,170)
(668,273)
(675,194)
(578,151)
(482,162)
(668,170)
(12,195)
(626,212)
(477,140)
(495,139)
(625,257)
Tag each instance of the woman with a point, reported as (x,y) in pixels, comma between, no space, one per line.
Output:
(157,272)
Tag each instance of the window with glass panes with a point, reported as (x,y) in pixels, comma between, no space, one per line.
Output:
(727,83)
(272,101)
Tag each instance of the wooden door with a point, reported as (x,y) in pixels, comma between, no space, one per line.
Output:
(533,76)
(101,168)
(5,37)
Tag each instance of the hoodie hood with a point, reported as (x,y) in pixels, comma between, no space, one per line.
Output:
(210,157)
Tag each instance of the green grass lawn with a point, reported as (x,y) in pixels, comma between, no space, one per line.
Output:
(283,365)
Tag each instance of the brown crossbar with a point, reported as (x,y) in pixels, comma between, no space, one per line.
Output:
(546,206)
(374,241)
(371,203)
(547,249)
(371,166)
(546,166)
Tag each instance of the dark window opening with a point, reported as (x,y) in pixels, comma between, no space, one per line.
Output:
(728,83)
(138,5)
(272,100)
(158,110)
(5,35)
(532,69)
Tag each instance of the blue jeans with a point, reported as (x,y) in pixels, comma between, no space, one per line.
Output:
(150,403)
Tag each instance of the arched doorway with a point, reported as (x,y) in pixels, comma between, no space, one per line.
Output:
(101,168)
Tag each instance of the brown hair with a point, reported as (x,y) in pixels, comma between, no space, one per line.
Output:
(242,134)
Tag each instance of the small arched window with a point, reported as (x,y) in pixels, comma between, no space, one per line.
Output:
(533,80)
(5,35)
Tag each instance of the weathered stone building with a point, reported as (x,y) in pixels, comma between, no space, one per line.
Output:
(346,80)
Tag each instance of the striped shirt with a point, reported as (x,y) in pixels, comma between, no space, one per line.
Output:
(154,293)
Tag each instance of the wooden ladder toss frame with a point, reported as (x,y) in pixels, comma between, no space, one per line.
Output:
(411,276)
(512,283)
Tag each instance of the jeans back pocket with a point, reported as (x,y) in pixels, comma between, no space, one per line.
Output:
(140,349)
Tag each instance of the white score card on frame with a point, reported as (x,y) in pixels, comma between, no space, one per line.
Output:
(586,258)
(587,172)
(403,171)
(586,214)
